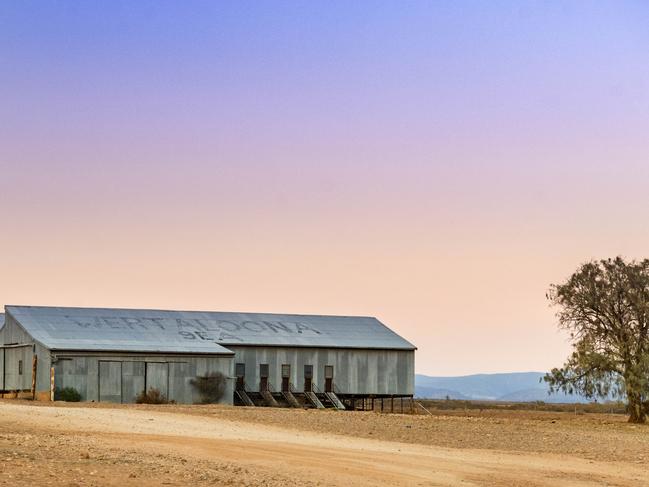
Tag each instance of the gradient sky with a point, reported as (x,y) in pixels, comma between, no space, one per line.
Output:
(434,164)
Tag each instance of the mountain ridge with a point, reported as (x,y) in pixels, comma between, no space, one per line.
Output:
(507,386)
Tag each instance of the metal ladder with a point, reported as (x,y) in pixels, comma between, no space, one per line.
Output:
(267,395)
(290,398)
(333,398)
(313,399)
(245,398)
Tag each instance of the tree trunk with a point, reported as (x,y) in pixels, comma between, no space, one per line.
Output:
(637,410)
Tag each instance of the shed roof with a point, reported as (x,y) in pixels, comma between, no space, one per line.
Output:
(104,330)
(197,331)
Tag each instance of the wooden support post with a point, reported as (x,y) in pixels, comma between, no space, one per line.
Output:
(391,404)
(52,384)
(34,368)
(372,404)
(381,404)
(402,405)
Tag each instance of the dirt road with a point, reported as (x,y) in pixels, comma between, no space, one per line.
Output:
(53,445)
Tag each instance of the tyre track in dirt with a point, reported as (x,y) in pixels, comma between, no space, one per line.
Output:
(313,458)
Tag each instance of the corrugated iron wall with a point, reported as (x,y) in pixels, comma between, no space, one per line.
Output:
(356,371)
(120,377)
(21,349)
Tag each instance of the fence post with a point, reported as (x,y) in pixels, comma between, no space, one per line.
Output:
(51,383)
(34,368)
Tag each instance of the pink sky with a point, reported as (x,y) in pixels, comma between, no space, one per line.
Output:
(436,166)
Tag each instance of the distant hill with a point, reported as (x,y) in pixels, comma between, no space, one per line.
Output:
(513,387)
(435,393)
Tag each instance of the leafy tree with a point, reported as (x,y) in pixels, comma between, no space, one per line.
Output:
(605,307)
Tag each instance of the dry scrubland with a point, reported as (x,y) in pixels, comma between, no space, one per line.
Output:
(92,444)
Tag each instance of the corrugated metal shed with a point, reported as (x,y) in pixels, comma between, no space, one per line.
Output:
(104,330)
(197,332)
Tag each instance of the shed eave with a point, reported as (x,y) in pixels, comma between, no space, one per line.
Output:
(228,353)
(328,347)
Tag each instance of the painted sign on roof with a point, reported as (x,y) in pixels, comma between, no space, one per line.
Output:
(196,331)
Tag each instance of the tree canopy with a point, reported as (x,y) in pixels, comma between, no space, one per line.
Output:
(605,307)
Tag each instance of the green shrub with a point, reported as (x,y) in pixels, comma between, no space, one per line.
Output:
(152,396)
(68,394)
(211,387)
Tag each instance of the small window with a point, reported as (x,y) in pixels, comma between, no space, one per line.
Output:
(263,370)
(308,371)
(286,370)
(20,367)
(329,371)
(240,370)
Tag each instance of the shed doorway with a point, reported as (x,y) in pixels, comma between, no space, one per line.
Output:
(240,373)
(110,381)
(286,377)
(329,378)
(263,377)
(157,377)
(308,378)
